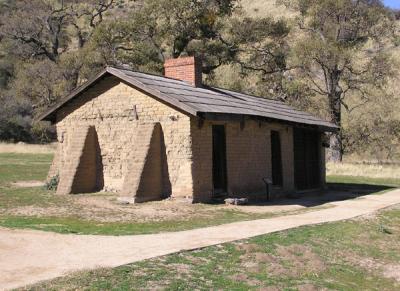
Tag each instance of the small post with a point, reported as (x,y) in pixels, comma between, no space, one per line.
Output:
(268,184)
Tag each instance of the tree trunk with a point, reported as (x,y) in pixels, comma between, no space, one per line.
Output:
(335,149)
(336,146)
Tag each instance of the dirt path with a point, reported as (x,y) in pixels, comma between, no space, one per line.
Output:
(27,257)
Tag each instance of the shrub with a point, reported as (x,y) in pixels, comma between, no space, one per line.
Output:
(52,184)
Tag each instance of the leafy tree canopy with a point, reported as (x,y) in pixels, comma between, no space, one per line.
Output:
(342,52)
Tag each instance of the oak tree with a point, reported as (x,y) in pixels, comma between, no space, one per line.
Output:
(342,53)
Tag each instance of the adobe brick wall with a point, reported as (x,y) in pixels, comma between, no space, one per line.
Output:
(202,161)
(248,158)
(148,175)
(120,116)
(151,181)
(110,107)
(69,170)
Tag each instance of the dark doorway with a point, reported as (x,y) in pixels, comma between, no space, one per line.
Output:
(219,159)
(276,159)
(306,159)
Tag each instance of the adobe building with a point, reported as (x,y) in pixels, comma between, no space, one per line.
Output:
(149,137)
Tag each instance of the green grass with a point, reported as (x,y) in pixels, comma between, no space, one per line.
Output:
(342,179)
(22,167)
(81,226)
(327,256)
(25,167)
(324,256)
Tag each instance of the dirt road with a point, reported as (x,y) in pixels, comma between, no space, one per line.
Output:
(27,256)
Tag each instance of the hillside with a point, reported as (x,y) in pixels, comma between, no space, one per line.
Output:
(260,8)
(377,117)
(75,54)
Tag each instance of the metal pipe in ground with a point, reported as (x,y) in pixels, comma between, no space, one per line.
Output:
(268,184)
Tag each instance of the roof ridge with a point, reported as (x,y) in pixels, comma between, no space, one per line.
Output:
(252,95)
(219,91)
(149,74)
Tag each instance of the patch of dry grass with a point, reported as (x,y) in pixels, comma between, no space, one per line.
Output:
(24,148)
(371,170)
(348,255)
(262,8)
(24,206)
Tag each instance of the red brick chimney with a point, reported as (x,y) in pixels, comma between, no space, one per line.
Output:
(188,69)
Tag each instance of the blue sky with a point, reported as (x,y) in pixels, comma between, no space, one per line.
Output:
(392,3)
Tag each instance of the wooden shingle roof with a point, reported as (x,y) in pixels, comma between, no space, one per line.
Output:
(200,101)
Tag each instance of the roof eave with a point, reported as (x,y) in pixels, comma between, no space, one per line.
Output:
(49,115)
(323,126)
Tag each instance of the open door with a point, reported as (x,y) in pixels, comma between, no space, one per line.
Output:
(219,159)
(307,148)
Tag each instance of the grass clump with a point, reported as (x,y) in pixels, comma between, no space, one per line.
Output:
(52,183)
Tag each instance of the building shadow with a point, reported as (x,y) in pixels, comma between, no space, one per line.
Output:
(334,192)
(166,182)
(89,176)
